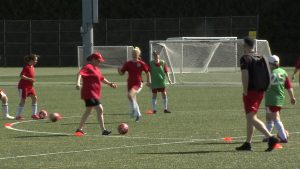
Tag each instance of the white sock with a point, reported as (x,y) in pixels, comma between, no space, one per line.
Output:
(5,110)
(153,104)
(132,108)
(270,125)
(165,102)
(137,108)
(19,110)
(34,109)
(280,128)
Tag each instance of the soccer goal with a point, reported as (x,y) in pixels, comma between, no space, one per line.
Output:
(115,56)
(191,55)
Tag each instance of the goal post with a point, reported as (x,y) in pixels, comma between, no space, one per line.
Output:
(190,55)
(115,56)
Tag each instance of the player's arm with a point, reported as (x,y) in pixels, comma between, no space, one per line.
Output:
(121,70)
(167,74)
(288,86)
(148,76)
(111,84)
(245,80)
(27,78)
(78,84)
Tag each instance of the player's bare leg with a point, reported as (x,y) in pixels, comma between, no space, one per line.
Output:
(84,117)
(100,118)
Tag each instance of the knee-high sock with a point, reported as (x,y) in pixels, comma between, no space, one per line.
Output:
(165,102)
(34,109)
(153,104)
(280,128)
(5,110)
(137,108)
(19,110)
(270,125)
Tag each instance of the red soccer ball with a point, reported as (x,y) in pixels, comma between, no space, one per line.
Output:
(43,114)
(54,117)
(123,128)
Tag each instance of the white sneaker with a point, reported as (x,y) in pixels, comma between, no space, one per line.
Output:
(8,117)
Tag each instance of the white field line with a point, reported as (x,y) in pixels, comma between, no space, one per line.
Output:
(91,150)
(184,140)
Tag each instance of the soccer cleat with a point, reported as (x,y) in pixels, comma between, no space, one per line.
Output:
(166,111)
(271,143)
(80,132)
(137,118)
(106,132)
(20,118)
(283,141)
(245,147)
(154,111)
(8,117)
(265,140)
(35,117)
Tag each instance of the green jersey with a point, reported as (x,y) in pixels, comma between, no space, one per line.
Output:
(275,96)
(158,74)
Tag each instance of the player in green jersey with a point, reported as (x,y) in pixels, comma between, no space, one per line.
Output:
(159,75)
(275,96)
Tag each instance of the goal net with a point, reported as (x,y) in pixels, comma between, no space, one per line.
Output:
(115,56)
(191,55)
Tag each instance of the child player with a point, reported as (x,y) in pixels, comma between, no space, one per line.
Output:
(159,74)
(26,88)
(134,68)
(274,97)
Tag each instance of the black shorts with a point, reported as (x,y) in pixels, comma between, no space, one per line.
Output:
(91,102)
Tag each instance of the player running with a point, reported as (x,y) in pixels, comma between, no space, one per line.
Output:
(134,68)
(159,75)
(275,96)
(4,100)
(91,90)
(26,88)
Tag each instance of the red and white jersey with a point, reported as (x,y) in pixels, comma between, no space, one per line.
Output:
(91,78)
(134,70)
(28,71)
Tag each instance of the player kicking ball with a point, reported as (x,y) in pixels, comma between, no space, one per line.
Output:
(159,75)
(275,96)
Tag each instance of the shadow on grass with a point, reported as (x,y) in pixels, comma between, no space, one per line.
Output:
(191,152)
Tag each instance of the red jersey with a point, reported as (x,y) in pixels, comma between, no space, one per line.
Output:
(134,70)
(298,63)
(28,71)
(91,78)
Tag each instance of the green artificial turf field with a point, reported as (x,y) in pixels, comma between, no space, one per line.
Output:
(192,136)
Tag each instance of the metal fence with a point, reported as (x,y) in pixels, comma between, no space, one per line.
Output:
(57,40)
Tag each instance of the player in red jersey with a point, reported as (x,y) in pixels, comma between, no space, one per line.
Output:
(134,68)
(91,90)
(4,100)
(26,88)
(297,68)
